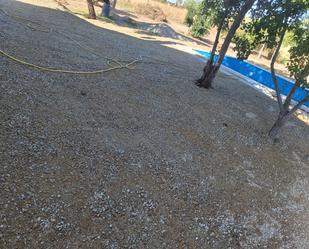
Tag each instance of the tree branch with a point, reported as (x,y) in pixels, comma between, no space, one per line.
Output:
(248,4)
(273,71)
(290,95)
(299,104)
(214,48)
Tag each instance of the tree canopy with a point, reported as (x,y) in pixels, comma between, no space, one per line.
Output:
(269,22)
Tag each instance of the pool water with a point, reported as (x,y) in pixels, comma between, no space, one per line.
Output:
(260,75)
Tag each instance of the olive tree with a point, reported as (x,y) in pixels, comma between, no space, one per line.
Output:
(298,67)
(270,22)
(223,13)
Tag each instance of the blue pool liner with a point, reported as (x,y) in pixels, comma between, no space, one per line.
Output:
(260,75)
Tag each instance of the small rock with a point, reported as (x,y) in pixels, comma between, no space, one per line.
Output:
(83,93)
(250,115)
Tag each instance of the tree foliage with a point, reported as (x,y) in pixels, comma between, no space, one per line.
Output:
(198,22)
(270,21)
(200,26)
(298,64)
(201,16)
(192,11)
(244,44)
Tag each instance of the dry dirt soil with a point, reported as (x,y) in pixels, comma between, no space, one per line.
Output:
(137,158)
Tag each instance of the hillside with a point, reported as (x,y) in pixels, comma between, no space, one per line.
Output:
(137,156)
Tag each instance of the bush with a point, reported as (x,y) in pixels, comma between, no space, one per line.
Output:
(200,26)
(244,44)
(243,47)
(192,10)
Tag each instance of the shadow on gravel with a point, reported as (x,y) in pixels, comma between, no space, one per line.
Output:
(160,29)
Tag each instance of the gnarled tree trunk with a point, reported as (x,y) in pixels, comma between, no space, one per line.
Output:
(284,112)
(282,118)
(285,115)
(91,10)
(208,67)
(213,67)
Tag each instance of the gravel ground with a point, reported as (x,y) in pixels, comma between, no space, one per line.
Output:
(138,158)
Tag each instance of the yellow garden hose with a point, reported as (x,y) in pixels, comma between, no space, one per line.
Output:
(35,26)
(63,70)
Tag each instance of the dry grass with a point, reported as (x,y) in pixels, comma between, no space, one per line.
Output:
(173,13)
(153,12)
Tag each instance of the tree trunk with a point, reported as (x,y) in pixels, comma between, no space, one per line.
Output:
(299,104)
(273,71)
(291,93)
(241,15)
(209,65)
(220,27)
(284,116)
(209,75)
(91,10)
(284,112)
(277,126)
(114,4)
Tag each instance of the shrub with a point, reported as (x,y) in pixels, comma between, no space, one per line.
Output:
(192,10)
(200,26)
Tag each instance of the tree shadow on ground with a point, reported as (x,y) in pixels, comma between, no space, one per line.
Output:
(162,29)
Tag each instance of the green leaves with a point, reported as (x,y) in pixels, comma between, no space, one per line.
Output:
(197,19)
(192,10)
(200,27)
(244,44)
(209,13)
(298,64)
(268,20)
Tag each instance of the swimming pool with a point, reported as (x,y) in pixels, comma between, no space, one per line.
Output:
(260,75)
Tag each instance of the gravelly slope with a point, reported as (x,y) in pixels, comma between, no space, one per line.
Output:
(138,158)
